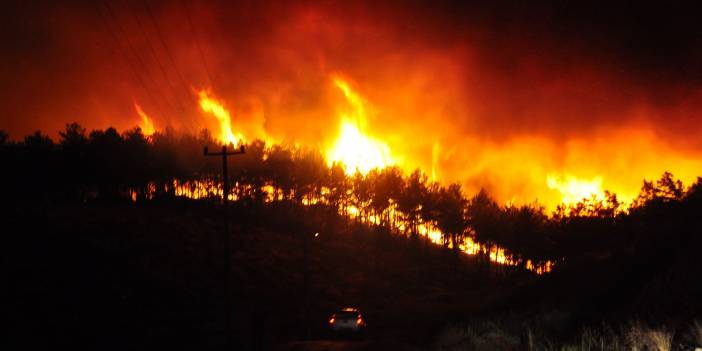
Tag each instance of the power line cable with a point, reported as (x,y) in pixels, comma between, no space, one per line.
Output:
(165,46)
(130,64)
(136,55)
(158,61)
(169,54)
(188,9)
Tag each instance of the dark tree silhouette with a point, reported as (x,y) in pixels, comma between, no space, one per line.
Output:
(339,188)
(523,234)
(308,173)
(386,187)
(37,165)
(279,168)
(362,195)
(484,217)
(452,214)
(136,151)
(130,166)
(410,200)
(108,164)
(74,144)
(430,201)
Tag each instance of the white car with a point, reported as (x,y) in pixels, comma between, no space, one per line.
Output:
(347,319)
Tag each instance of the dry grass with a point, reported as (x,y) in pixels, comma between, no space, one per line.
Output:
(604,338)
(660,340)
(491,336)
(642,338)
(696,333)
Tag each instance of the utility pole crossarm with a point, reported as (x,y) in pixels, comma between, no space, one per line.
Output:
(225,178)
(224,151)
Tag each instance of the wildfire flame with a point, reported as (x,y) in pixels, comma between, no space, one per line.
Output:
(575,190)
(146,125)
(210,104)
(353,148)
(523,167)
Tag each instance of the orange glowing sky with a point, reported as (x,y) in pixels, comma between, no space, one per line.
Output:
(525,102)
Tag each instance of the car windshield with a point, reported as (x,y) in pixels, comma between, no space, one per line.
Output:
(346,315)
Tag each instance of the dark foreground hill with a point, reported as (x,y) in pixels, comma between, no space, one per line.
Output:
(133,276)
(136,276)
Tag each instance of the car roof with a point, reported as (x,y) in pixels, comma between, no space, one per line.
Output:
(349,309)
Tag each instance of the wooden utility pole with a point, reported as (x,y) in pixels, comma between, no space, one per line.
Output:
(227,245)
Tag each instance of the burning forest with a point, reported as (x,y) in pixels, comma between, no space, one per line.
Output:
(456,108)
(484,152)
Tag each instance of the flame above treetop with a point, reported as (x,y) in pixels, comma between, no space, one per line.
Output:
(146,125)
(353,147)
(210,104)
(575,190)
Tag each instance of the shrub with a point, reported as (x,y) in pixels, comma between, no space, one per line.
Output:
(642,338)
(696,333)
